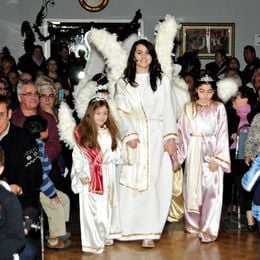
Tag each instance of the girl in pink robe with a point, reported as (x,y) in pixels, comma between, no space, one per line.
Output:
(203,145)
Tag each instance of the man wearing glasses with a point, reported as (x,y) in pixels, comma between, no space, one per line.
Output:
(28,97)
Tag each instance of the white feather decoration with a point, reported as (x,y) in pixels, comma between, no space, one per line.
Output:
(164,43)
(66,125)
(82,97)
(129,41)
(77,89)
(226,88)
(95,64)
(112,50)
(180,89)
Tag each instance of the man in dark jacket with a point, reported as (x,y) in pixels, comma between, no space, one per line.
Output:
(11,219)
(23,170)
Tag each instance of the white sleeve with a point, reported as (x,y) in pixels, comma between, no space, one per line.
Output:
(127,129)
(169,111)
(80,169)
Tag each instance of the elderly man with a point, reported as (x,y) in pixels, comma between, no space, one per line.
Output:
(28,97)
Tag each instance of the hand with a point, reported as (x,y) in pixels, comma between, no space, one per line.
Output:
(249,159)
(55,200)
(16,189)
(85,180)
(133,143)
(66,92)
(234,137)
(170,147)
(213,167)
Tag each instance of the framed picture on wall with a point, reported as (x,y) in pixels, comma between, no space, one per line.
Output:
(206,38)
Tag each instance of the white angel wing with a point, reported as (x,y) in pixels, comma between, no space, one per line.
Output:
(96,62)
(82,97)
(114,55)
(182,95)
(129,41)
(164,42)
(66,125)
(226,89)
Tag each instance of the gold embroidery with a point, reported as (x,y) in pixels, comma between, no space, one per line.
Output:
(92,248)
(119,109)
(141,234)
(131,188)
(170,134)
(128,135)
(216,157)
(147,149)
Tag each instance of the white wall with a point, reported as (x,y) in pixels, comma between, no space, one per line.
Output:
(245,14)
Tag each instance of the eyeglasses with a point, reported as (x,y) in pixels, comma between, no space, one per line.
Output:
(44,96)
(30,94)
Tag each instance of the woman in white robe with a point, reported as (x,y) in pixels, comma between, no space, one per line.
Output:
(148,128)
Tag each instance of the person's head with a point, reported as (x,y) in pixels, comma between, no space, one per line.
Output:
(64,52)
(249,53)
(220,55)
(81,53)
(46,91)
(97,116)
(205,90)
(13,78)
(233,63)
(52,65)
(142,55)
(37,125)
(37,52)
(256,82)
(25,76)
(255,74)
(5,113)
(190,80)
(143,59)
(2,160)
(28,95)
(3,87)
(7,61)
(244,96)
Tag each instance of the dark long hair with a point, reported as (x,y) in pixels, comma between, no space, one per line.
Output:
(155,70)
(87,129)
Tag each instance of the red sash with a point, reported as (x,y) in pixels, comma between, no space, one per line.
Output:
(95,160)
(95,166)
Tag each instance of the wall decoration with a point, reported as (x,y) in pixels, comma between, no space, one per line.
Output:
(206,38)
(93,5)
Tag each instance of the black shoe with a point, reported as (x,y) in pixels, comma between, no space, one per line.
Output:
(251,228)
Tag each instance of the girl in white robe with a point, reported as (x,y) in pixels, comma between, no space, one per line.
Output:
(148,128)
(94,177)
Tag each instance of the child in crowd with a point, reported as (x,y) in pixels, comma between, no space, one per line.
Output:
(93,175)
(55,203)
(203,144)
(12,237)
